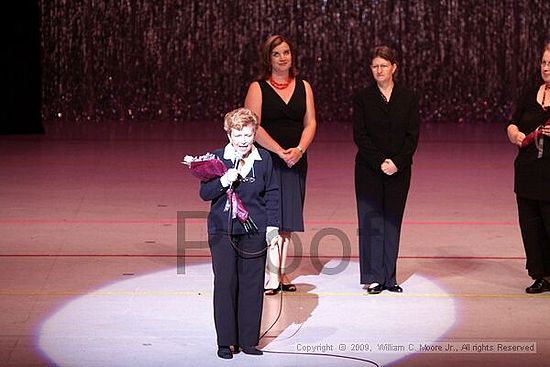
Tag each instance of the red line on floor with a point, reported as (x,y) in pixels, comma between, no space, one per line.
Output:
(303,256)
(201,221)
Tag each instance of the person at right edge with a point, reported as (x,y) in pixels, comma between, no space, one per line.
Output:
(385,130)
(532,176)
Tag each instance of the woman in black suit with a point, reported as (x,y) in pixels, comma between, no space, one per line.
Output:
(238,253)
(532,176)
(385,130)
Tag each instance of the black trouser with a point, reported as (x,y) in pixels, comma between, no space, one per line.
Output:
(380,206)
(534,222)
(238,287)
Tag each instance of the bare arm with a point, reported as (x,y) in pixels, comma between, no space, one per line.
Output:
(310,123)
(294,154)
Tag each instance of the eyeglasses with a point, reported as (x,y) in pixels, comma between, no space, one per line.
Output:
(381,66)
(545,63)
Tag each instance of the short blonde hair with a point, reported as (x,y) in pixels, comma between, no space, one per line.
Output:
(239,118)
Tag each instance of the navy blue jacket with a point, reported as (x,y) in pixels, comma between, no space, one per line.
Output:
(259,194)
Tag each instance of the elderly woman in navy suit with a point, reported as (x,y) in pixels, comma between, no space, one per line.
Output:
(385,130)
(238,254)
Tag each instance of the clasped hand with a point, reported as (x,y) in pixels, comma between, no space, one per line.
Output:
(291,156)
(388,167)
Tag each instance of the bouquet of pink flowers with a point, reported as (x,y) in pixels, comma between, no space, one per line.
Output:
(207,167)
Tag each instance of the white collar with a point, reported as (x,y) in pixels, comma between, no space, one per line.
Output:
(230,154)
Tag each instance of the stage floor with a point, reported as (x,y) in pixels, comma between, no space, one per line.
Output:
(90,273)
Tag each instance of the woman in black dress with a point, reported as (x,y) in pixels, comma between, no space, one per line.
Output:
(532,176)
(385,130)
(285,106)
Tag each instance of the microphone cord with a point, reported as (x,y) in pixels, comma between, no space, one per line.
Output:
(279,313)
(230,199)
(281,298)
(252,253)
(230,232)
(328,355)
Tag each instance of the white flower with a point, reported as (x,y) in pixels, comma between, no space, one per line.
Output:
(187,160)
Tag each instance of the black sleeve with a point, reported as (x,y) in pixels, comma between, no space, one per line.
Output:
(412,132)
(367,150)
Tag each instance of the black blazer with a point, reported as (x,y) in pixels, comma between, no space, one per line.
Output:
(385,130)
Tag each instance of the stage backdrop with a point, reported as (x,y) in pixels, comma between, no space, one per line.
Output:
(181,60)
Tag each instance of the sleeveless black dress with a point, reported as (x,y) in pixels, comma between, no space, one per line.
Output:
(285,123)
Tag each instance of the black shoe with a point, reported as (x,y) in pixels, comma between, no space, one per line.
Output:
(235,349)
(252,350)
(374,288)
(539,286)
(224,352)
(272,291)
(394,288)
(288,287)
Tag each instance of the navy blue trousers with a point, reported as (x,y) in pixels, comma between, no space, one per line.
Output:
(238,287)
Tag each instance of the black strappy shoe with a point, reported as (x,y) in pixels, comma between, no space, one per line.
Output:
(272,291)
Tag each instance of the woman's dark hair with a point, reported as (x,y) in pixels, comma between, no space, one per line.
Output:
(385,52)
(265,56)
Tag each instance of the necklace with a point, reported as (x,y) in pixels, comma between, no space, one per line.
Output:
(546,87)
(283,85)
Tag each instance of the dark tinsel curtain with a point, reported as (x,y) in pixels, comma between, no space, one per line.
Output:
(181,60)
